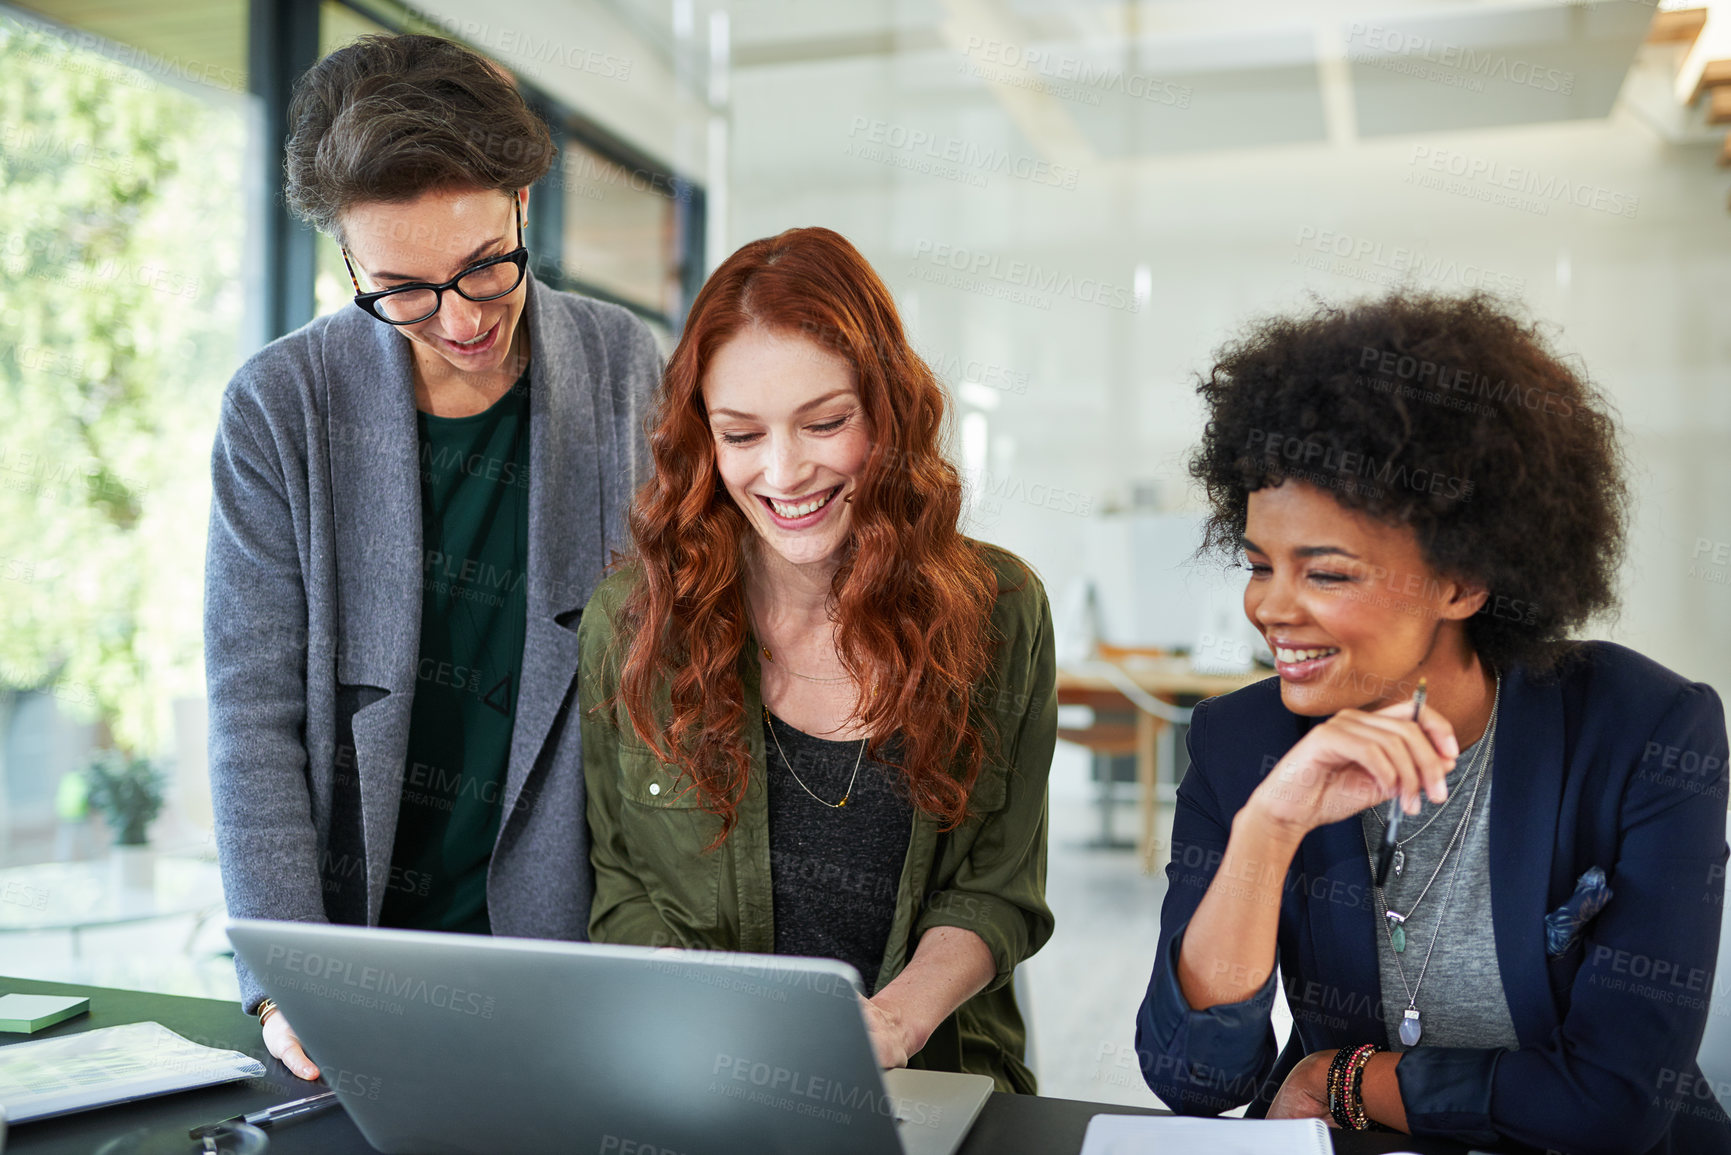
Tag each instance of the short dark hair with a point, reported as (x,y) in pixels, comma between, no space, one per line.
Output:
(1444,414)
(388,118)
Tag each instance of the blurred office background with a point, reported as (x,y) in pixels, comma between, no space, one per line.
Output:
(1074,203)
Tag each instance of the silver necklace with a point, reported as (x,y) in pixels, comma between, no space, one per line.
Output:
(846,794)
(1481,759)
(1411,1023)
(1395,920)
(1400,847)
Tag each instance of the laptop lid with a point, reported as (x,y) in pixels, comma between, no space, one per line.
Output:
(451,1043)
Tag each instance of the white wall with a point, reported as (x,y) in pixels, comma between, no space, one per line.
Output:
(1640,297)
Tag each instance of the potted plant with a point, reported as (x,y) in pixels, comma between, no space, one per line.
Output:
(128,792)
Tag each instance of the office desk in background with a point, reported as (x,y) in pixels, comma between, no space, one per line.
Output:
(1152,688)
(1010,1124)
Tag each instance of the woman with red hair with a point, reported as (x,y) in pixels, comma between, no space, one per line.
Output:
(818,719)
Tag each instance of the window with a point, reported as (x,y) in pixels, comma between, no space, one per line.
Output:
(122,302)
(620,228)
(603,222)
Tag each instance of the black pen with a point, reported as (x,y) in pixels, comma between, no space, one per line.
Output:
(270,1116)
(1390,832)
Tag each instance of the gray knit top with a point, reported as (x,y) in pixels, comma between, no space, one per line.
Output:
(1460,997)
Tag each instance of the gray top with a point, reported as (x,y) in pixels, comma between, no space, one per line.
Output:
(313,604)
(1460,1000)
(834,872)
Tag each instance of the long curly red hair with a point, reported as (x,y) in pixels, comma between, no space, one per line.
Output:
(912,596)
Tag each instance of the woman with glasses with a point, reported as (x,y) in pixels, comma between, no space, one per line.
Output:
(817,718)
(413,500)
(1485,860)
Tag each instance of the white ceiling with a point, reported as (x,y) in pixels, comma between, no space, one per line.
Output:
(1244,74)
(1232,74)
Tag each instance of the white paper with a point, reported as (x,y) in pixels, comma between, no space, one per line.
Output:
(111,1065)
(1178,1135)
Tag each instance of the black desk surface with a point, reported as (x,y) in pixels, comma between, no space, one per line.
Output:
(1010,1124)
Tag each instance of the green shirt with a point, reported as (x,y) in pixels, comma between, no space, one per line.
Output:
(654,885)
(475,539)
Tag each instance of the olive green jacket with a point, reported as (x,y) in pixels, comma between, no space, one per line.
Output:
(655,885)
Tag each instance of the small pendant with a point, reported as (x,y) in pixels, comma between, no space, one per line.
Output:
(843,801)
(1397,939)
(1399,861)
(1410,1028)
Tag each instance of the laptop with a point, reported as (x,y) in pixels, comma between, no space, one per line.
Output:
(472,1045)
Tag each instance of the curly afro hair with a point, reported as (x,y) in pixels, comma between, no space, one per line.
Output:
(1440,413)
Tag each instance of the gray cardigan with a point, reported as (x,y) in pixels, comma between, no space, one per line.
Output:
(313,603)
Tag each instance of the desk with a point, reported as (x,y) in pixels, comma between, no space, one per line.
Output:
(1150,686)
(1010,1124)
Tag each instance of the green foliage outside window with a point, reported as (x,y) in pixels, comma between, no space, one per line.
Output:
(121,226)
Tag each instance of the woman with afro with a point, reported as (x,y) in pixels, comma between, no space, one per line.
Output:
(1424,495)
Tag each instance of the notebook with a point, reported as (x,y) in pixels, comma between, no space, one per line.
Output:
(69,1073)
(1175,1135)
(27,1014)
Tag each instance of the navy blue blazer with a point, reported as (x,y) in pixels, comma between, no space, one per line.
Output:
(1614,762)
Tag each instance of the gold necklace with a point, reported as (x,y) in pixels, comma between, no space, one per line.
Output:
(763,648)
(768,657)
(848,793)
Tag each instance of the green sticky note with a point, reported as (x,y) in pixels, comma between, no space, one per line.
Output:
(27,1014)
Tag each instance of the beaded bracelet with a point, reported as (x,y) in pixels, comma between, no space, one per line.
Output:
(1352,1090)
(1337,1097)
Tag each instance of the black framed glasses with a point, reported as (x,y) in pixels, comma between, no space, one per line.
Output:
(485,280)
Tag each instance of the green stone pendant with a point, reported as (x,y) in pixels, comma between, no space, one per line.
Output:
(1397,939)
